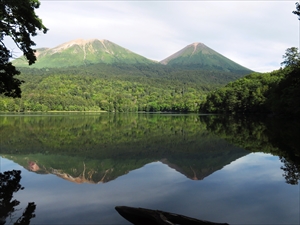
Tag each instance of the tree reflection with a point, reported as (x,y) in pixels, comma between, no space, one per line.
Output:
(10,184)
(291,171)
(284,134)
(276,136)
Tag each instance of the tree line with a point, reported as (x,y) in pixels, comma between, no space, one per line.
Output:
(277,92)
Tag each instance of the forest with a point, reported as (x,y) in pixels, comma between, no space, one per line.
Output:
(115,88)
(128,88)
(125,88)
(275,93)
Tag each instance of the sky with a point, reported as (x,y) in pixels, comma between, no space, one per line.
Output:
(254,34)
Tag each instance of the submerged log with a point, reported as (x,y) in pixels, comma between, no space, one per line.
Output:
(141,216)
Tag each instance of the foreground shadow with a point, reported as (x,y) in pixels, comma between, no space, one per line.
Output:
(141,216)
(10,184)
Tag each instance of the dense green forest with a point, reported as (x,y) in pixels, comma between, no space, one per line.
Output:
(128,88)
(115,88)
(277,93)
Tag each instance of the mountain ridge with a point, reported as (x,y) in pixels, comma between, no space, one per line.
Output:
(92,51)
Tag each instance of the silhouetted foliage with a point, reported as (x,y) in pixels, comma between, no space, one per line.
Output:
(297,11)
(10,184)
(291,171)
(20,23)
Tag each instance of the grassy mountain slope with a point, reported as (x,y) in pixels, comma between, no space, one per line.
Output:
(198,55)
(83,52)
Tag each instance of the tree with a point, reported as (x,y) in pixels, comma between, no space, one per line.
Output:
(291,57)
(20,23)
(297,12)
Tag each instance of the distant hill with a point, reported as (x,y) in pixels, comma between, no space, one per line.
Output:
(198,55)
(82,52)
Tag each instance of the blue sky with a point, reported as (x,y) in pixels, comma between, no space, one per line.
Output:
(254,34)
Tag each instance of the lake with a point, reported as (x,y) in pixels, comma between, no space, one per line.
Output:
(76,168)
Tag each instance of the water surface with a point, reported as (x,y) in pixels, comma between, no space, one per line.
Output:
(77,167)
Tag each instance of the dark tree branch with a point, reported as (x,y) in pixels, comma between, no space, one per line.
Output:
(20,23)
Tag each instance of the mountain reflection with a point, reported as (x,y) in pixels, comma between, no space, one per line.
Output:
(98,148)
(194,165)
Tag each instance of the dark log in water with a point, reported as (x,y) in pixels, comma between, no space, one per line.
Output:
(141,216)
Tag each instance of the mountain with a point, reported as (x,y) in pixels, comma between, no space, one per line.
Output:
(95,75)
(198,55)
(94,51)
(82,52)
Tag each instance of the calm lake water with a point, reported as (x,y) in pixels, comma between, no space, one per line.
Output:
(76,168)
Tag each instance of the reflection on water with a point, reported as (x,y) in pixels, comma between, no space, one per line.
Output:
(101,148)
(10,184)
(152,161)
(276,136)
